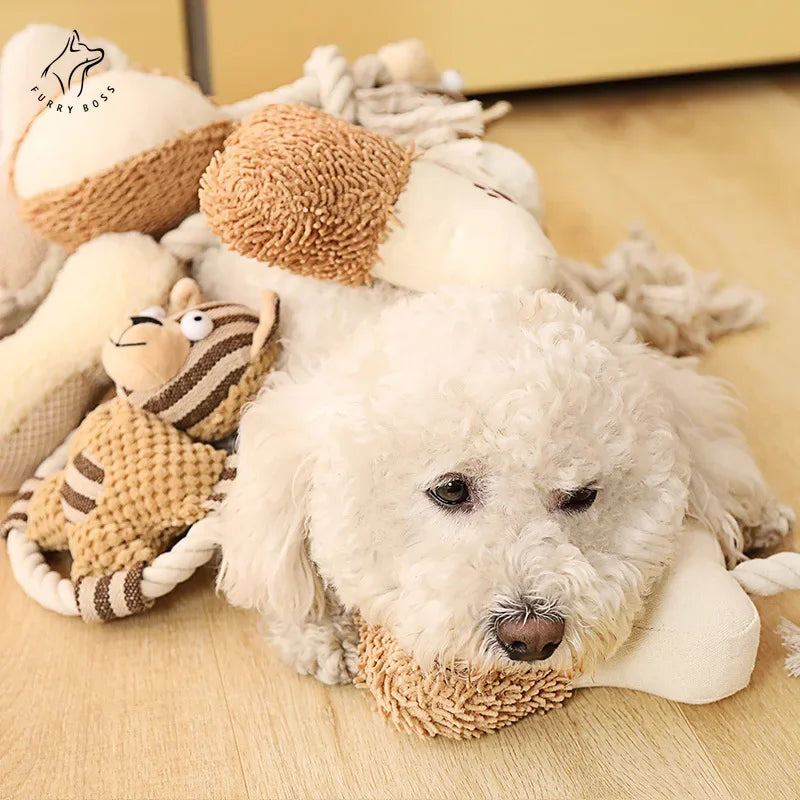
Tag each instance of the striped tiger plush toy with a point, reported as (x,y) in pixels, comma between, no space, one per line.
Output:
(141,467)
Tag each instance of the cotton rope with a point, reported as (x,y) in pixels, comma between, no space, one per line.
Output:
(360,95)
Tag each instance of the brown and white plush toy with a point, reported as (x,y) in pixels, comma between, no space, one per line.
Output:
(141,468)
(302,190)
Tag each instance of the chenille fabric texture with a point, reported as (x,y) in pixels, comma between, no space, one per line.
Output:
(305,191)
(448,702)
(151,192)
(131,485)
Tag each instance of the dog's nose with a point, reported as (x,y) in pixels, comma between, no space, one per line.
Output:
(530,639)
(142,320)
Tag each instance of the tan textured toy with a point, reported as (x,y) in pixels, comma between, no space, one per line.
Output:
(28,264)
(299,189)
(141,468)
(446,702)
(88,172)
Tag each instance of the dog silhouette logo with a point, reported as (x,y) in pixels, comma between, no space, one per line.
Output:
(71,66)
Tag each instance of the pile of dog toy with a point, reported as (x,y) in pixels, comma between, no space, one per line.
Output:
(219,255)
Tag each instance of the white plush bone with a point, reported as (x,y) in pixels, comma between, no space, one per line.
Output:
(698,640)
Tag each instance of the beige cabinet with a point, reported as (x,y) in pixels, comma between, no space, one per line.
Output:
(502,44)
(151,32)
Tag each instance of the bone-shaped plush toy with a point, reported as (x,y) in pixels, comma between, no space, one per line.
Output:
(302,190)
(696,643)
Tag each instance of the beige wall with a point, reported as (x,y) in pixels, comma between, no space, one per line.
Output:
(496,44)
(151,32)
(502,44)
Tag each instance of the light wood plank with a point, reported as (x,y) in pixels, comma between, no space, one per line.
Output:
(300,739)
(131,709)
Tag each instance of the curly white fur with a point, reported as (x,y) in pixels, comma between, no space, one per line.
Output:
(526,396)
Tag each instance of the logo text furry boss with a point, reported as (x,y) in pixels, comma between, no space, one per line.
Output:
(63,107)
(67,72)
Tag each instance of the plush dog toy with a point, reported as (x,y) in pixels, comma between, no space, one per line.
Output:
(141,468)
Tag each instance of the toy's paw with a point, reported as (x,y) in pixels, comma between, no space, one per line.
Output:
(778,521)
(326,650)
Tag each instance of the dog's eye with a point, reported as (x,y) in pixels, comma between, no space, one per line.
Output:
(450,490)
(577,500)
(196,325)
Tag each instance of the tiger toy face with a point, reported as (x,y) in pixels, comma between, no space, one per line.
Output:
(196,367)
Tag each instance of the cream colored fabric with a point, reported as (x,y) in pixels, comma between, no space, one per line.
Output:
(110,134)
(698,641)
(450,230)
(23,58)
(17,305)
(59,412)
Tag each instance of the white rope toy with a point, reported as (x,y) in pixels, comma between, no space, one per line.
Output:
(368,94)
(768,576)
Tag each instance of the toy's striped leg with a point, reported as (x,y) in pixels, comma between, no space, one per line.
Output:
(17,516)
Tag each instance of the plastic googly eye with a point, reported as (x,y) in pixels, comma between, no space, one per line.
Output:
(154,312)
(196,325)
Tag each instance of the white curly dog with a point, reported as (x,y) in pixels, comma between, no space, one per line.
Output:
(492,475)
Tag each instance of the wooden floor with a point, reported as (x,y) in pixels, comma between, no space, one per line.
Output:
(186,702)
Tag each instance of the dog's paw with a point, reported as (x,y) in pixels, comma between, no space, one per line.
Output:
(326,650)
(778,521)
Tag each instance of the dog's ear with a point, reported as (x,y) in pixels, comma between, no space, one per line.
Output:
(727,491)
(263,522)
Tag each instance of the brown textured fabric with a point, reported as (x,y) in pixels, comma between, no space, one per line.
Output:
(151,192)
(155,480)
(111,596)
(305,191)
(25,447)
(17,516)
(206,396)
(446,702)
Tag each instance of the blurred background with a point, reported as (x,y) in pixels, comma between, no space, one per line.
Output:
(236,48)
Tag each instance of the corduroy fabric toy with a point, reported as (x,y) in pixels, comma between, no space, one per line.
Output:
(141,468)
